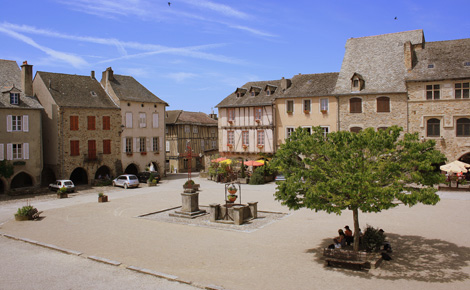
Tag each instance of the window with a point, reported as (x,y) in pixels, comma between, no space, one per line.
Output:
(195,129)
(203,145)
(142,120)
(91,123)
(14,98)
(290,106)
(214,144)
(355,105)
(185,163)
(252,93)
(213,132)
(17,151)
(258,113)
(187,129)
(355,129)
(128,145)
(155,142)
(106,123)
(434,127)
(91,149)
(289,131)
(325,130)
(73,123)
(433,92)
(307,105)
(430,65)
(155,120)
(128,120)
(308,129)
(324,104)
(167,146)
(230,138)
(74,147)
(260,138)
(268,92)
(142,144)
(231,114)
(16,123)
(463,127)
(106,146)
(383,104)
(355,83)
(462,91)
(245,138)
(382,128)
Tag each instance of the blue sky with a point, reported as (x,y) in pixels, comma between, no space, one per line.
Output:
(192,53)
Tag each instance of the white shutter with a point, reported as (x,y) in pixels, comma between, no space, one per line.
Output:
(149,149)
(167,146)
(26,151)
(10,151)
(25,123)
(160,146)
(128,120)
(151,144)
(155,120)
(2,154)
(9,123)
(135,145)
(124,144)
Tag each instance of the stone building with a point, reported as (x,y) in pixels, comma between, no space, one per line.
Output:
(81,126)
(307,101)
(371,86)
(142,125)
(20,127)
(437,79)
(195,128)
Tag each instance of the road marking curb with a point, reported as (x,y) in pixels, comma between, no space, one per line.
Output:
(104,260)
(154,273)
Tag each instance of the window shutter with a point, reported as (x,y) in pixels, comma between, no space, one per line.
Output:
(147,141)
(26,151)
(136,149)
(155,120)
(10,151)
(128,120)
(9,123)
(25,123)
(124,145)
(2,154)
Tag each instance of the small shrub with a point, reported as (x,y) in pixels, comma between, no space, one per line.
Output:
(258,176)
(189,182)
(62,190)
(372,239)
(100,194)
(26,211)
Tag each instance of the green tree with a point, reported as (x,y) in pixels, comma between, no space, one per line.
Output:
(6,169)
(368,171)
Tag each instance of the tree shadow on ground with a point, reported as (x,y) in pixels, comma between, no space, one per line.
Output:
(413,258)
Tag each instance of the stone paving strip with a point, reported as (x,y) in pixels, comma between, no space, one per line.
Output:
(114,263)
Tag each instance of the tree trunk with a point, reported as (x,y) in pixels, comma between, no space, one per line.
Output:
(356,229)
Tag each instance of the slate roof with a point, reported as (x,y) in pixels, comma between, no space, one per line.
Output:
(262,99)
(76,91)
(448,58)
(193,118)
(311,85)
(10,78)
(127,88)
(380,61)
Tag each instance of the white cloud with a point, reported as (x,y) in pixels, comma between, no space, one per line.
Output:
(220,8)
(108,8)
(253,31)
(181,76)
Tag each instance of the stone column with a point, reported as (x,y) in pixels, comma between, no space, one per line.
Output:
(190,201)
(238,214)
(214,211)
(253,209)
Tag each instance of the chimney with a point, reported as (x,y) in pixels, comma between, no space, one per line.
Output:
(285,83)
(106,77)
(409,51)
(92,75)
(27,78)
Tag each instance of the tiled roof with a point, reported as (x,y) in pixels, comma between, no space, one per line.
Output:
(193,118)
(379,60)
(127,88)
(76,91)
(311,85)
(10,78)
(261,99)
(448,59)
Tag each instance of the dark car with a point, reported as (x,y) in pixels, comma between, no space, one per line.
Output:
(144,176)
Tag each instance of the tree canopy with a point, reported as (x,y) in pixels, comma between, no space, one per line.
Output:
(6,169)
(368,171)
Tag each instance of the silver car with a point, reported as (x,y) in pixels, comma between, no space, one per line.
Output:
(126,181)
(62,183)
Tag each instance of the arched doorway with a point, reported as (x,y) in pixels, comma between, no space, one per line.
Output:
(47,176)
(21,180)
(131,169)
(465,158)
(103,173)
(2,186)
(79,176)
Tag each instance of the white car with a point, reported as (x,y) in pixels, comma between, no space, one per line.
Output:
(62,183)
(126,181)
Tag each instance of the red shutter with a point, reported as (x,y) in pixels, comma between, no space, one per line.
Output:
(106,146)
(106,123)
(91,149)
(91,123)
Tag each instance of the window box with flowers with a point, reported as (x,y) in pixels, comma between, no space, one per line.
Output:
(230,122)
(260,146)
(230,146)
(129,153)
(143,153)
(324,111)
(289,112)
(258,121)
(306,112)
(245,146)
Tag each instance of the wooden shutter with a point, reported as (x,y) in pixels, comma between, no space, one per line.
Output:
(106,123)
(9,151)
(128,120)
(91,123)
(26,151)
(25,123)
(124,143)
(9,129)
(2,153)
(155,120)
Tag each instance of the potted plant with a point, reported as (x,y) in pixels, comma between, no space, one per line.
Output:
(324,111)
(289,112)
(232,189)
(245,146)
(306,112)
(260,146)
(258,121)
(62,192)
(102,197)
(232,197)
(25,213)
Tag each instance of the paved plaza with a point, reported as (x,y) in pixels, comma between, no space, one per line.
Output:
(430,243)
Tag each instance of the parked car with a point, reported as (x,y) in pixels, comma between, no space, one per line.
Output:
(280,177)
(62,183)
(126,181)
(144,176)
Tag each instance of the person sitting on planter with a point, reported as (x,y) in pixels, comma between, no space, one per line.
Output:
(349,236)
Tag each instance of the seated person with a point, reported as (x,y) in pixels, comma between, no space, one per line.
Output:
(341,238)
(349,236)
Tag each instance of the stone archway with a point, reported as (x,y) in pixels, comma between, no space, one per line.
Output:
(47,176)
(20,180)
(131,169)
(79,176)
(2,187)
(103,173)
(465,158)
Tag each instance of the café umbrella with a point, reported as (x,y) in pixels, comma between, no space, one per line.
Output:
(455,167)
(252,163)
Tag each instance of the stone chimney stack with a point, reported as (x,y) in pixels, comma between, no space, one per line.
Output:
(285,83)
(92,75)
(27,78)
(106,77)
(409,52)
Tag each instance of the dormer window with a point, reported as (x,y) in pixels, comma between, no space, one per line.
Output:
(240,92)
(431,65)
(357,83)
(252,93)
(14,98)
(268,92)
(93,93)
